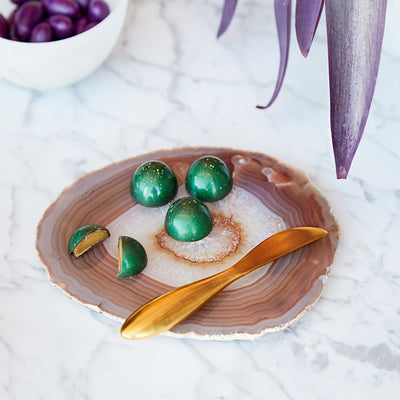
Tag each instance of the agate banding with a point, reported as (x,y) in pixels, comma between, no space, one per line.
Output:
(291,286)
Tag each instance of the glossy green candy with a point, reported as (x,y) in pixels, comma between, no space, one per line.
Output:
(208,179)
(154,184)
(188,219)
(85,238)
(132,257)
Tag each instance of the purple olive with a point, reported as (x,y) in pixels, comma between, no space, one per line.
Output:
(3,27)
(62,26)
(27,16)
(80,24)
(19,2)
(12,33)
(41,33)
(11,17)
(83,4)
(90,25)
(97,10)
(70,8)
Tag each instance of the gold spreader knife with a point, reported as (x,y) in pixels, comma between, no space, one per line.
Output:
(167,310)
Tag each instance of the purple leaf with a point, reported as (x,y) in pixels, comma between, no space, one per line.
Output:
(282,18)
(355,32)
(308,13)
(227,15)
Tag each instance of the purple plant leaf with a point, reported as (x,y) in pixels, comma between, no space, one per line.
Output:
(355,33)
(282,18)
(227,15)
(307,17)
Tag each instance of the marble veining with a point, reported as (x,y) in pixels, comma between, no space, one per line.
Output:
(170,83)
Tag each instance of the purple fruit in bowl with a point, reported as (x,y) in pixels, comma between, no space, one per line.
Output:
(97,10)
(80,24)
(18,2)
(83,4)
(70,8)
(3,27)
(26,17)
(11,17)
(60,63)
(41,33)
(12,33)
(90,25)
(61,25)
(65,18)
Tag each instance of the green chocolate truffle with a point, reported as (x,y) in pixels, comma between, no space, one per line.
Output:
(154,184)
(188,219)
(208,179)
(132,257)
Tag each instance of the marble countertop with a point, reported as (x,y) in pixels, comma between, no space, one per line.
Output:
(170,83)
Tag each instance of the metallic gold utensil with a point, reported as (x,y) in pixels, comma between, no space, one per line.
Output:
(167,310)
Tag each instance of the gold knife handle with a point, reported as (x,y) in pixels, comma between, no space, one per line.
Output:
(167,310)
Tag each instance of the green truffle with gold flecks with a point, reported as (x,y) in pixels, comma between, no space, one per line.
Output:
(208,179)
(188,220)
(154,184)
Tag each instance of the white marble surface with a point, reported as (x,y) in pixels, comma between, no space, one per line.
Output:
(170,83)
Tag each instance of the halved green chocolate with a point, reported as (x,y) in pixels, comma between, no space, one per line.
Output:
(85,238)
(132,257)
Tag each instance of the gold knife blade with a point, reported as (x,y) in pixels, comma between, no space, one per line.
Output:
(167,310)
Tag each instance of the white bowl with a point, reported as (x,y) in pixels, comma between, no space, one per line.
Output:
(63,62)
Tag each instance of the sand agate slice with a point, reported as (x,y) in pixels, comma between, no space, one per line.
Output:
(267,196)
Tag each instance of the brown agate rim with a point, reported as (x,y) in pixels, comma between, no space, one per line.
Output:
(290,288)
